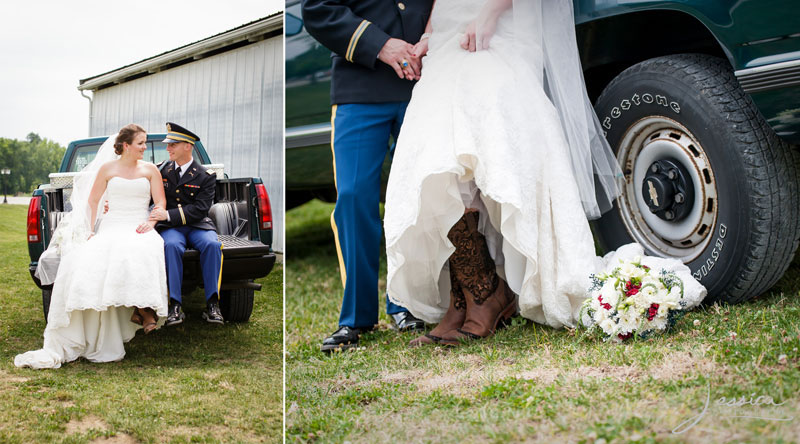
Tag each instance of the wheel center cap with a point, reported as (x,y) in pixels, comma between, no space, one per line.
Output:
(667,190)
(657,193)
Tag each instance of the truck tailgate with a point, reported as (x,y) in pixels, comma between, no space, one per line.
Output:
(241,258)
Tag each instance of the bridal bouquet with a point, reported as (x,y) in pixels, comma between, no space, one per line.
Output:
(633,300)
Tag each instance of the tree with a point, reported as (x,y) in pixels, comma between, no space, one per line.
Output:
(30,161)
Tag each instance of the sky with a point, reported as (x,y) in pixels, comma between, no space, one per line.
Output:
(47,46)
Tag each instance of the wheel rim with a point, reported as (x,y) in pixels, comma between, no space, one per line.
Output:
(657,140)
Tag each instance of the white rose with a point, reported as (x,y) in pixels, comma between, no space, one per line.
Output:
(609,327)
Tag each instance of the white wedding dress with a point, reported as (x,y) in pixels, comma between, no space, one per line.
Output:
(473,138)
(99,282)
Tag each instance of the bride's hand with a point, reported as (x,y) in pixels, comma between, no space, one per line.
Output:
(481,30)
(472,41)
(420,49)
(144,227)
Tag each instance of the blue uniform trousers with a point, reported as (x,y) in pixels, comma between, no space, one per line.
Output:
(210,248)
(360,140)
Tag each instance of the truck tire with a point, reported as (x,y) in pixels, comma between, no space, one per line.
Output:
(706,179)
(46,294)
(237,304)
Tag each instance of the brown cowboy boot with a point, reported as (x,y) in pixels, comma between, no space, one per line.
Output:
(446,332)
(490,302)
(486,315)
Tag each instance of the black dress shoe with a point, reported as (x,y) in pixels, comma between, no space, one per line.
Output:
(175,315)
(405,321)
(212,315)
(342,339)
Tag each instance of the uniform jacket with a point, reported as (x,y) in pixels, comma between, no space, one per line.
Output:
(356,30)
(189,199)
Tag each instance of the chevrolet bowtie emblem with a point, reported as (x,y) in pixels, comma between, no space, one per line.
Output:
(653,192)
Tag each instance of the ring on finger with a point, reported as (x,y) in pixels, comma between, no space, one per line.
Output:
(404,63)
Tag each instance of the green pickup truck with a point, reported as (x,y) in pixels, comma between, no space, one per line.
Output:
(241,213)
(700,101)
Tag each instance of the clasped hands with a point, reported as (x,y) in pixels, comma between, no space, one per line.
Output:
(156,214)
(403,57)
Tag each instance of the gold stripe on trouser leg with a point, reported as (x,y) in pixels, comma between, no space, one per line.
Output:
(221,258)
(342,270)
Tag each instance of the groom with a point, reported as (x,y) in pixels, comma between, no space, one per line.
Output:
(373,73)
(189,189)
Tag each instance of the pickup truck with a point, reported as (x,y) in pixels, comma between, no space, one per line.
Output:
(241,213)
(700,101)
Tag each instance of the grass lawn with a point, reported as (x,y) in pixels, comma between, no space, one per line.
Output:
(534,383)
(196,383)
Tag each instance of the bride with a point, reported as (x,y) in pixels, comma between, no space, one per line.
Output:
(498,164)
(111,280)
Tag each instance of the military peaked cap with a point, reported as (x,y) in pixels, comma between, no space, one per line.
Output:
(177,133)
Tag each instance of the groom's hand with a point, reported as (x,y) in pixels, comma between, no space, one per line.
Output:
(396,53)
(158,214)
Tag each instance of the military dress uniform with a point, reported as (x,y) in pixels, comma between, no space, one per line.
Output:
(189,197)
(368,104)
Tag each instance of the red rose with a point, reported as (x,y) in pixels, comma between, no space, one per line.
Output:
(652,312)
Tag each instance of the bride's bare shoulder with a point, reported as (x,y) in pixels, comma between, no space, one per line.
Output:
(108,168)
(148,168)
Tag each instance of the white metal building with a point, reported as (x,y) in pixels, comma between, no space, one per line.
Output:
(227,88)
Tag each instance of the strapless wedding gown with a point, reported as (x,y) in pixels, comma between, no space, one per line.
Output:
(100,282)
(472,138)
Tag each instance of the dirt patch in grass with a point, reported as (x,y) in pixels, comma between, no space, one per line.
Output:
(457,379)
(119,438)
(85,424)
(9,378)
(183,431)
(91,422)
(216,432)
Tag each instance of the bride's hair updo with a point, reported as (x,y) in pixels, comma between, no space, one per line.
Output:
(126,135)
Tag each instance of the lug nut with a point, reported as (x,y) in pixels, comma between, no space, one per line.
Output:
(679,198)
(654,168)
(672,174)
(669,215)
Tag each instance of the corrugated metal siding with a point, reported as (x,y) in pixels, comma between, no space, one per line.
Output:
(233,101)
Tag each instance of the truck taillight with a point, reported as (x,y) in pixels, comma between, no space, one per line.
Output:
(264,208)
(34,220)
